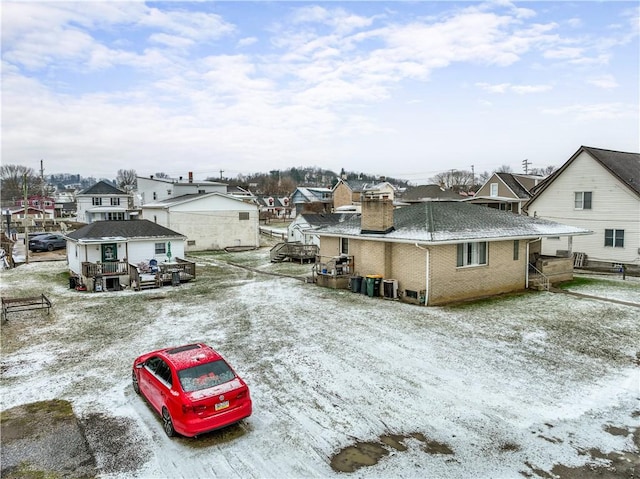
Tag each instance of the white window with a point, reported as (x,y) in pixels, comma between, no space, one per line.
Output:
(161,248)
(582,200)
(115,201)
(494,189)
(96,201)
(472,254)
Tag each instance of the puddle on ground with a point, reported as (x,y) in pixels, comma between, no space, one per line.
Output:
(362,454)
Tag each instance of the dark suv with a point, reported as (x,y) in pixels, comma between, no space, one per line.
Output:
(47,242)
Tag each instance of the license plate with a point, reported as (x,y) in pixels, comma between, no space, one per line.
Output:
(222,405)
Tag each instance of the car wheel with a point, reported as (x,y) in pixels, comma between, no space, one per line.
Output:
(50,247)
(167,423)
(134,380)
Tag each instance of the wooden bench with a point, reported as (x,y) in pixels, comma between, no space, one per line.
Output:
(12,305)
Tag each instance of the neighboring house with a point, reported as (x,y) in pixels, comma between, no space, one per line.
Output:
(600,190)
(301,229)
(45,204)
(274,206)
(438,252)
(422,193)
(159,189)
(312,199)
(103,201)
(109,255)
(349,192)
(209,221)
(506,191)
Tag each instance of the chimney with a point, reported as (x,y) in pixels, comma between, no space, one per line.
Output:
(191,177)
(377,214)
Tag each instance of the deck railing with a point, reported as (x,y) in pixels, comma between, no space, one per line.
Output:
(110,268)
(539,278)
(294,250)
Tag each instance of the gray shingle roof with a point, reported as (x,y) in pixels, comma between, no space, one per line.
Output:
(122,229)
(429,192)
(622,165)
(322,219)
(514,185)
(103,188)
(625,166)
(444,221)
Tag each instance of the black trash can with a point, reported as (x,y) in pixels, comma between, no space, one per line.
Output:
(72,282)
(356,284)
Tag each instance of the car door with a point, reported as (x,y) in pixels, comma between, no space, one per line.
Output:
(146,379)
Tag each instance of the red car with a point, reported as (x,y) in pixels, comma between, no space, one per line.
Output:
(192,388)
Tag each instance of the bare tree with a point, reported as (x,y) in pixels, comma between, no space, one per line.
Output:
(12,180)
(161,175)
(504,169)
(542,171)
(126,180)
(456,180)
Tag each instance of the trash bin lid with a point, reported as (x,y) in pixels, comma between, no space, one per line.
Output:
(374,276)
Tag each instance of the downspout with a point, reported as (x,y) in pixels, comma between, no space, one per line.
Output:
(426,282)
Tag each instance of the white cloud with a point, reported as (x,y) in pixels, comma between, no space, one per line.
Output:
(247,41)
(596,111)
(519,89)
(605,81)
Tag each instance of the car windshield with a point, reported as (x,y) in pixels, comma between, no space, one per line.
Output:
(205,375)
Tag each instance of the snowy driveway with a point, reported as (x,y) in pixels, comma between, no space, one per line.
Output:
(507,387)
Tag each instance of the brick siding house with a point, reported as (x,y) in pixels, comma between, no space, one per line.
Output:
(440,252)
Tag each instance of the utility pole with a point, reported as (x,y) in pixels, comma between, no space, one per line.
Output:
(473,178)
(525,165)
(221,171)
(26,219)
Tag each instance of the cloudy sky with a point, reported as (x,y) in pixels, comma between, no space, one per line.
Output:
(402,89)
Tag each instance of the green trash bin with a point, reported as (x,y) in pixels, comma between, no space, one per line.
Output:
(373,285)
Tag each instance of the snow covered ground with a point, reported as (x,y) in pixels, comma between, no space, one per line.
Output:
(506,387)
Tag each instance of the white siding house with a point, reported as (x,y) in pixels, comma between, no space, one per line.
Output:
(150,189)
(210,221)
(598,190)
(101,202)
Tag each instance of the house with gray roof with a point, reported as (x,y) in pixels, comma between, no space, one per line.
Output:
(506,191)
(438,252)
(301,228)
(311,199)
(596,189)
(103,201)
(348,192)
(110,255)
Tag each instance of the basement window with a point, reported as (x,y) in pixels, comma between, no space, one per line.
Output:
(411,294)
(243,215)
